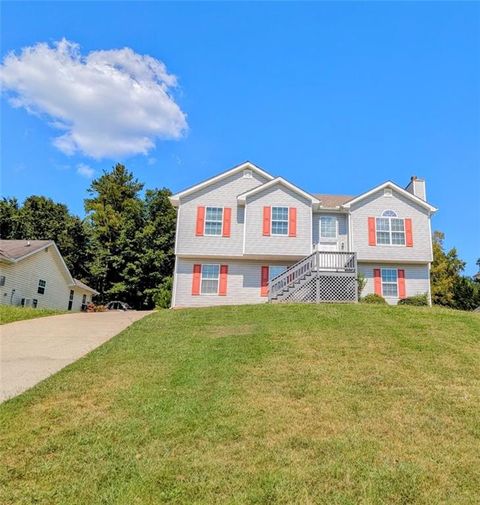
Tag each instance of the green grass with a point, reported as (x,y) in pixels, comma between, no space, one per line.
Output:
(261,404)
(9,314)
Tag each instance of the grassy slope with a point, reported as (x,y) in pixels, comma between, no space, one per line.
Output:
(9,314)
(260,404)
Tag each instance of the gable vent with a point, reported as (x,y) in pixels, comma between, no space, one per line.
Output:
(387,192)
(247,174)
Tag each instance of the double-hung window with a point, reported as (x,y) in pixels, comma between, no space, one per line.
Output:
(41,287)
(389,282)
(390,229)
(328,227)
(210,276)
(279,220)
(213,220)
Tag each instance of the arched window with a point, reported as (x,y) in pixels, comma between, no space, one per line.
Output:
(389,213)
(390,229)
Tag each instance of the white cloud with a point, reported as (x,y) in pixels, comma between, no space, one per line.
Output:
(107,104)
(85,170)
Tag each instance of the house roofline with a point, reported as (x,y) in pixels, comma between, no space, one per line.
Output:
(398,188)
(278,180)
(175,199)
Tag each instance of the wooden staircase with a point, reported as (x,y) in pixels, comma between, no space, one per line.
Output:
(321,277)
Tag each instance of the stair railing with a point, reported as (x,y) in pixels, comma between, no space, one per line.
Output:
(292,274)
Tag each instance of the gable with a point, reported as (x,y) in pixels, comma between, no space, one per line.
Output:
(256,172)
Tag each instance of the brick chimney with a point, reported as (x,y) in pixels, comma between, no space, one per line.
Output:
(416,186)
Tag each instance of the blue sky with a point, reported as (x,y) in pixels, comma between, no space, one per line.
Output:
(336,97)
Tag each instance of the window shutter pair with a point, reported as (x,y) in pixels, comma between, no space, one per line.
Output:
(197,276)
(377,281)
(200,225)
(372,232)
(292,221)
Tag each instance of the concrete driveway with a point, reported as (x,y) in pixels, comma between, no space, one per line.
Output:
(32,350)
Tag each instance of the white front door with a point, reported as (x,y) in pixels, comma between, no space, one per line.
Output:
(328,233)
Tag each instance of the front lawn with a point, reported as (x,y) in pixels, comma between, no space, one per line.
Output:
(9,314)
(259,404)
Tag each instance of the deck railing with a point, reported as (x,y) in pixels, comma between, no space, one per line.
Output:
(318,261)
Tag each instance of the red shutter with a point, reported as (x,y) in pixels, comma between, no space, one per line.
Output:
(200,221)
(267,213)
(222,290)
(197,272)
(372,239)
(377,281)
(401,283)
(227,219)
(292,222)
(408,233)
(264,282)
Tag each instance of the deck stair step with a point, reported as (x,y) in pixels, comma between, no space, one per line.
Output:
(319,277)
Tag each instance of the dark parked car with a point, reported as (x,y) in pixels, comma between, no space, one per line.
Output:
(117,305)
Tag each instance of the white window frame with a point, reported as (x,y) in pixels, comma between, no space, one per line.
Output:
(44,286)
(390,215)
(327,239)
(213,221)
(209,278)
(390,283)
(279,221)
(275,266)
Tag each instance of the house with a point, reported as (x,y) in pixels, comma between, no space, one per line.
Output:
(246,236)
(33,273)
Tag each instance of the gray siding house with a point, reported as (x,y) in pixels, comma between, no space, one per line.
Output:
(246,236)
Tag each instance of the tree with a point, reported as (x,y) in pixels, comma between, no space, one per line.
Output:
(132,238)
(466,294)
(445,272)
(114,215)
(40,218)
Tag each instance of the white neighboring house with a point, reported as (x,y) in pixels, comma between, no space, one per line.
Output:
(34,274)
(246,236)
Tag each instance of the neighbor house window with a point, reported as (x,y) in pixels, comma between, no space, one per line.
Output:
(34,303)
(389,282)
(210,275)
(41,287)
(2,280)
(274,270)
(390,229)
(213,220)
(328,227)
(279,220)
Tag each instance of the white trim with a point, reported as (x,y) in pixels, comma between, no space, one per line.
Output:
(244,229)
(177,224)
(175,199)
(350,234)
(396,282)
(205,222)
(278,220)
(390,231)
(174,287)
(390,184)
(278,180)
(201,279)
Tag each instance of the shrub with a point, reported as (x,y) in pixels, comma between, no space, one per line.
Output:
(417,300)
(373,298)
(361,283)
(163,295)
